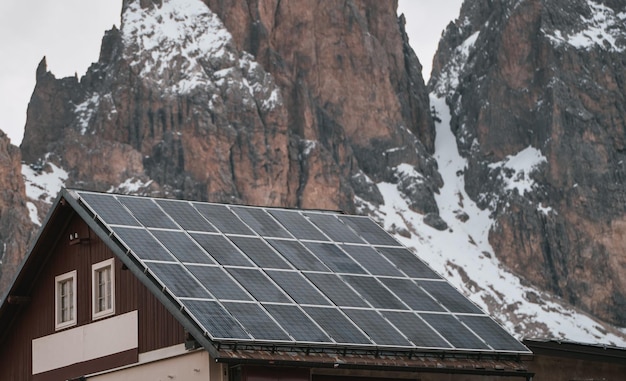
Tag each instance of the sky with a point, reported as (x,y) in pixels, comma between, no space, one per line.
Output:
(69,32)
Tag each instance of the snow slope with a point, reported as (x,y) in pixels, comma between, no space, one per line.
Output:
(463,255)
(43,183)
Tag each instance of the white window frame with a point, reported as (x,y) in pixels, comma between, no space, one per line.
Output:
(58,281)
(95,295)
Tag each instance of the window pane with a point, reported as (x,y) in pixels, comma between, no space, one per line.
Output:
(103,289)
(66,307)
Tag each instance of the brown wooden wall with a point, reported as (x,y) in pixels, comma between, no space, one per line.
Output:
(548,368)
(157,327)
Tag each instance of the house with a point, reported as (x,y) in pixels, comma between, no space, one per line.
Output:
(120,287)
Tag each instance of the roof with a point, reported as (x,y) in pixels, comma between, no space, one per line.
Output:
(572,349)
(273,280)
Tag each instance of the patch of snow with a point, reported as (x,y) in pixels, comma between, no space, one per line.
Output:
(603,29)
(515,170)
(395,149)
(449,76)
(130,186)
(184,30)
(546,210)
(85,110)
(33,213)
(181,45)
(406,170)
(274,99)
(309,145)
(44,184)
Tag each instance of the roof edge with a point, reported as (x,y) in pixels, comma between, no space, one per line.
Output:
(138,270)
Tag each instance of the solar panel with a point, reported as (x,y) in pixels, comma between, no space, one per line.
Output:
(218,323)
(334,258)
(221,249)
(219,283)
(260,253)
(453,331)
(222,218)
(336,290)
(492,333)
(412,295)
(298,255)
(260,222)
(415,329)
(334,228)
(297,225)
(377,328)
(299,325)
(371,260)
(109,209)
(408,262)
(337,325)
(182,247)
(369,230)
(449,297)
(374,292)
(147,212)
(297,286)
(259,285)
(185,215)
(256,321)
(177,279)
(143,244)
(271,276)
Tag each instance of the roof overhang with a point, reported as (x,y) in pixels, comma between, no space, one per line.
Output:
(445,363)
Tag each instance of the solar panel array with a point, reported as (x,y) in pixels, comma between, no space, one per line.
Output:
(274,276)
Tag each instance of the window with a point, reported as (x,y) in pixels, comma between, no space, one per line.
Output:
(103,289)
(65,300)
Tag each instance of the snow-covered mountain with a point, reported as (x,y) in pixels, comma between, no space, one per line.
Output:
(544,79)
(325,107)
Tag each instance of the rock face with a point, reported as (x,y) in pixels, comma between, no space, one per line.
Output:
(350,82)
(278,104)
(15,226)
(531,78)
(301,104)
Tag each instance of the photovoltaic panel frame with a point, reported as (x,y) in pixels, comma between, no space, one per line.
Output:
(185,215)
(222,218)
(109,209)
(369,230)
(261,222)
(298,225)
(147,212)
(334,228)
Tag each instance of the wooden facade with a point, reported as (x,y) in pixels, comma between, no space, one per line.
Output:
(562,360)
(34,316)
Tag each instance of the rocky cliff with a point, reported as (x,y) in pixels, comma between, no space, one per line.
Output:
(546,78)
(15,225)
(278,104)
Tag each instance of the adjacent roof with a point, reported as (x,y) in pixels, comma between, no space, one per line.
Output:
(572,349)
